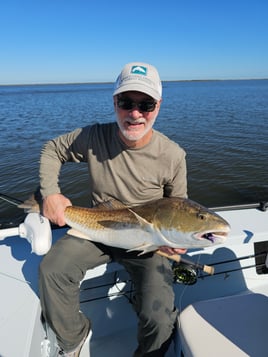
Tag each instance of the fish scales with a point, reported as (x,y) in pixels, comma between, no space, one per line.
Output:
(99,219)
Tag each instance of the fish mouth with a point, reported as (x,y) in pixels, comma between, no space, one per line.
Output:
(213,237)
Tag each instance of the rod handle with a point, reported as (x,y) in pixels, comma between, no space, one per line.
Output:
(178,259)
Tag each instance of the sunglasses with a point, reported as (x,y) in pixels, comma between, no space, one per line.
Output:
(144,106)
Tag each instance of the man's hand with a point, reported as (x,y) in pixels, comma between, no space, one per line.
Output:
(171,251)
(54,207)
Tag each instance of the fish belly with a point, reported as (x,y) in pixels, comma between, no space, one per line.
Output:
(129,238)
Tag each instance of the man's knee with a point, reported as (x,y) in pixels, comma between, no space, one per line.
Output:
(51,269)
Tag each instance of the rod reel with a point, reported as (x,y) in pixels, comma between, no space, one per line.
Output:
(184,273)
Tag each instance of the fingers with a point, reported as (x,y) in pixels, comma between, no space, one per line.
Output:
(171,251)
(54,207)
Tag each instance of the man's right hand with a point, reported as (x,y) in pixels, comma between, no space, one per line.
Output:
(54,207)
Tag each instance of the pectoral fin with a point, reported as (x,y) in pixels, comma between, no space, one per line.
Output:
(157,237)
(145,225)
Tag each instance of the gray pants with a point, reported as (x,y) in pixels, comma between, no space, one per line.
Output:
(65,265)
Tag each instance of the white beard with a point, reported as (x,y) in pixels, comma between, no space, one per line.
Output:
(133,135)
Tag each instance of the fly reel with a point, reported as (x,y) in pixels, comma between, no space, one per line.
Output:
(184,274)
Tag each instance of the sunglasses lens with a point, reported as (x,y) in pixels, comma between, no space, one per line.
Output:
(145,106)
(125,104)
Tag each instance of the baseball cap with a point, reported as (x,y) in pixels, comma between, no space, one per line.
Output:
(141,77)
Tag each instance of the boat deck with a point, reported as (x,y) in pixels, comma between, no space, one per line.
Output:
(107,290)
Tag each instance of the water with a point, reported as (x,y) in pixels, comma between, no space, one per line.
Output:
(222,125)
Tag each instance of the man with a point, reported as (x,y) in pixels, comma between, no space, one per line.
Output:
(130,162)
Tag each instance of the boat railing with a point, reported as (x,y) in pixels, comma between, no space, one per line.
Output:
(262,206)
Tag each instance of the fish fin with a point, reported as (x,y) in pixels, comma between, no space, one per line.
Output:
(30,205)
(76,233)
(147,226)
(150,228)
(33,204)
(111,205)
(144,248)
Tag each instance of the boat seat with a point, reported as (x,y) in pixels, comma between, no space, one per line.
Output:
(234,326)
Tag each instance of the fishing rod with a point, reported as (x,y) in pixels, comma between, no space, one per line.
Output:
(187,274)
(180,260)
(9,199)
(258,255)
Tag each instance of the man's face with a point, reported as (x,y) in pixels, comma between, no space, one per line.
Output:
(136,113)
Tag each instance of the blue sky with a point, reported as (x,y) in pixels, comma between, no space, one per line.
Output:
(59,41)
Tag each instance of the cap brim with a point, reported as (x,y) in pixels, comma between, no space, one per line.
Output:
(139,88)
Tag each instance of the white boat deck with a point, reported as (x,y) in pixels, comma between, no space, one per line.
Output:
(114,322)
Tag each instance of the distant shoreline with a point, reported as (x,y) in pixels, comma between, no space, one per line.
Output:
(163,81)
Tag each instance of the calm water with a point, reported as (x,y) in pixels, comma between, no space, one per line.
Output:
(222,125)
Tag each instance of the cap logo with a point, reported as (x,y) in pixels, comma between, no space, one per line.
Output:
(140,77)
(139,70)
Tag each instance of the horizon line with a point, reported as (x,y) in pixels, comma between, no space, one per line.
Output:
(111,82)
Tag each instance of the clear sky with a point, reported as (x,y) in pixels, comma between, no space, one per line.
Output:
(58,41)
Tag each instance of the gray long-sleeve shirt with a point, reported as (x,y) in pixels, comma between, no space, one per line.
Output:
(132,176)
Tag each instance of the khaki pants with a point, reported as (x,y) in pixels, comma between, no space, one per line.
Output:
(65,265)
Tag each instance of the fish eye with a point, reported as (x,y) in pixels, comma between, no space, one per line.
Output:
(201,216)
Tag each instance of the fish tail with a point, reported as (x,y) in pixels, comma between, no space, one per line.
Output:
(33,204)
